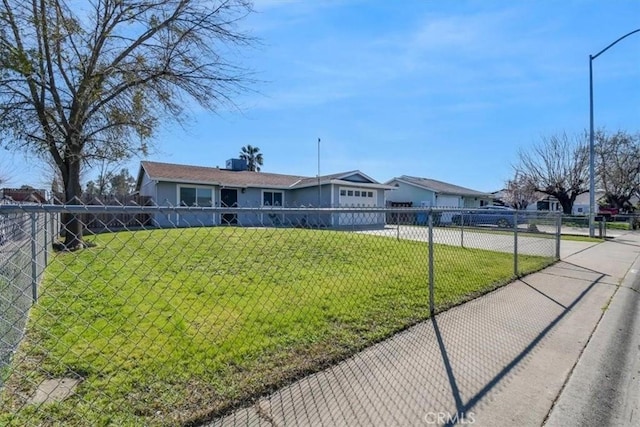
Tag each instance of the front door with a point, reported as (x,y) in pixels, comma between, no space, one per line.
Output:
(229,198)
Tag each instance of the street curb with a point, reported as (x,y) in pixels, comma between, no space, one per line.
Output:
(594,392)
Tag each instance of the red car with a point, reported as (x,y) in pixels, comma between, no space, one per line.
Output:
(606,211)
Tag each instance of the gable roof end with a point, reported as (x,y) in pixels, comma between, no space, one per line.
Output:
(439,187)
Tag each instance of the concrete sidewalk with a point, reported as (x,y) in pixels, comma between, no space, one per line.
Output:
(499,360)
(604,387)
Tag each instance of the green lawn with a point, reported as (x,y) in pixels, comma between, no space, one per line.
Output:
(618,225)
(175,326)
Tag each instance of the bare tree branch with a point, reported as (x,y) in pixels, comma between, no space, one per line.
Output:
(519,192)
(82,81)
(557,166)
(618,167)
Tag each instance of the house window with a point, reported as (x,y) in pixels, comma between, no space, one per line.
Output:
(350,193)
(370,194)
(272,198)
(357,193)
(343,192)
(196,196)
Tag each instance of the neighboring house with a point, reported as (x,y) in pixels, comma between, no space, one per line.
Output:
(424,192)
(185,185)
(542,202)
(581,205)
(24,195)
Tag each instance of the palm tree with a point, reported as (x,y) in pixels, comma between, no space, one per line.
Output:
(253,156)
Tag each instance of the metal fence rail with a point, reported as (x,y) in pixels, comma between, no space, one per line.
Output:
(188,315)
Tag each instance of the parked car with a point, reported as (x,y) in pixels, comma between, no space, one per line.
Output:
(608,212)
(489,215)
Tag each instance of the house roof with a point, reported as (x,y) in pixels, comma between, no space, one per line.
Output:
(439,187)
(341,178)
(584,198)
(537,196)
(216,176)
(30,195)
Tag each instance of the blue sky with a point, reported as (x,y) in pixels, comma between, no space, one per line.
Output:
(448,90)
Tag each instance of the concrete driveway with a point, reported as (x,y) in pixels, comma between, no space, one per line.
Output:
(499,241)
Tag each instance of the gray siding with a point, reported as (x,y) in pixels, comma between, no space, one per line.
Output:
(166,194)
(251,198)
(410,193)
(147,187)
(308,197)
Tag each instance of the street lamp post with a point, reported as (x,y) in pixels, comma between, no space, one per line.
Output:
(592,180)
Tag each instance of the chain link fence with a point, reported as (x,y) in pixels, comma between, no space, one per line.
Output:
(25,242)
(605,226)
(290,314)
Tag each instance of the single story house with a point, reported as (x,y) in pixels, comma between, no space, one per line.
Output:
(581,204)
(425,192)
(541,202)
(234,186)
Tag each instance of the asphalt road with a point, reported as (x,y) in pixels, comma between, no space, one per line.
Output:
(604,388)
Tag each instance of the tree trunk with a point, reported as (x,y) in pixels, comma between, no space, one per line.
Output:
(72,192)
(565,201)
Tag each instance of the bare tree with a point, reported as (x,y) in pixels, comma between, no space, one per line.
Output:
(618,167)
(99,186)
(519,192)
(82,81)
(557,166)
(6,171)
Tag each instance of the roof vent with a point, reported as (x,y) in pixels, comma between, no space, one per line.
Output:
(237,165)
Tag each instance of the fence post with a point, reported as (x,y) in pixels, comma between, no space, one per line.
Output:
(34,257)
(431,272)
(398,225)
(45,222)
(600,234)
(462,228)
(515,244)
(558,234)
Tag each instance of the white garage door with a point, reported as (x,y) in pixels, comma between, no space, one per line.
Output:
(357,197)
(447,202)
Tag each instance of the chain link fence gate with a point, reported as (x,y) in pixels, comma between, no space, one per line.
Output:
(288,316)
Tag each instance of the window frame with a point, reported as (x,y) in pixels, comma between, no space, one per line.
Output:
(272,219)
(196,187)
